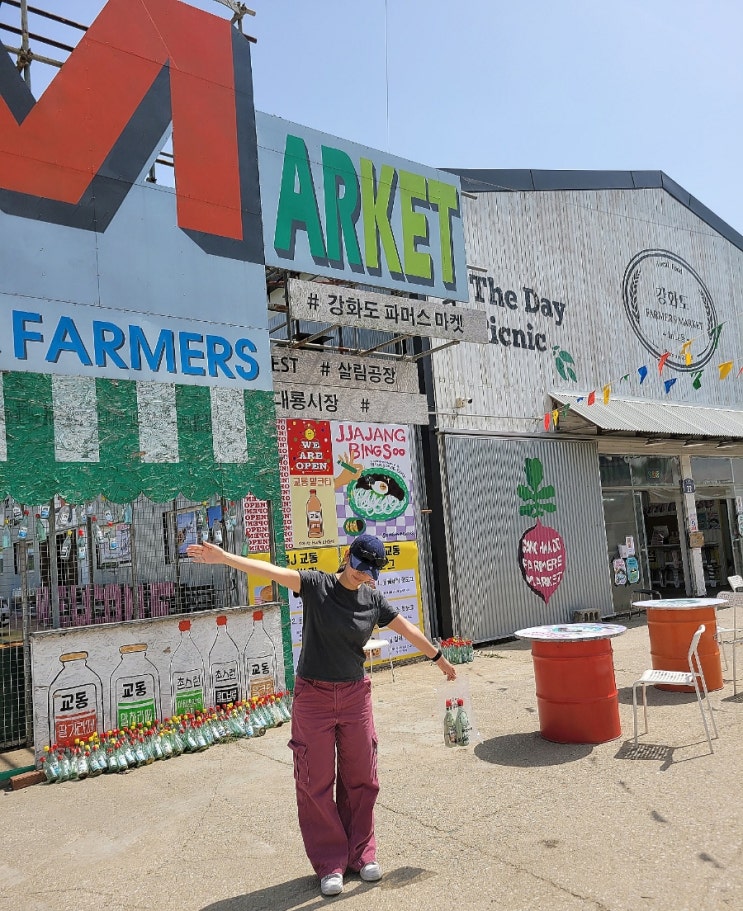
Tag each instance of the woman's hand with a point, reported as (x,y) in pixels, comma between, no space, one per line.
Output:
(205,553)
(446,668)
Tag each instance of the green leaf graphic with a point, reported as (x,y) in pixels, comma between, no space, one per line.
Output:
(534,473)
(546,493)
(524,492)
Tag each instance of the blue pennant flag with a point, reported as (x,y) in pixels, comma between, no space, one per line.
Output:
(643,371)
(669,383)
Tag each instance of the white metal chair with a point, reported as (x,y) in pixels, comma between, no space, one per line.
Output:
(692,677)
(732,636)
(375,648)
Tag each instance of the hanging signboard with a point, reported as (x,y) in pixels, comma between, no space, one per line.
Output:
(335,403)
(332,207)
(319,368)
(342,306)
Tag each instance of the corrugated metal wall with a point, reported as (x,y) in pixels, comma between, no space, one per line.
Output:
(573,248)
(490,598)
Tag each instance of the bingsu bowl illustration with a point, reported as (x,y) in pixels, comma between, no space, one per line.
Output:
(378,494)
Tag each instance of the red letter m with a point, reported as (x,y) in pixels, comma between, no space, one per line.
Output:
(72,157)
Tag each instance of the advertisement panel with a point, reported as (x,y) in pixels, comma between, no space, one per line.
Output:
(339,480)
(336,208)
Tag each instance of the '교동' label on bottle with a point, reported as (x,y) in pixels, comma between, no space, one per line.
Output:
(74,713)
(135,701)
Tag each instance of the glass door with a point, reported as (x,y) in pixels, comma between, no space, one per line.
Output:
(626,550)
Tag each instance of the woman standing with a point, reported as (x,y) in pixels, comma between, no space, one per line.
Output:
(333,736)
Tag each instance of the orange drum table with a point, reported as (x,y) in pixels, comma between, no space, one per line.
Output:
(671,624)
(574,675)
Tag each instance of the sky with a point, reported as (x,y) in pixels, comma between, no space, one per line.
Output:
(544,84)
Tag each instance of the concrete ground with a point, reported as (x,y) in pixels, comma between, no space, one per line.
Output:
(511,822)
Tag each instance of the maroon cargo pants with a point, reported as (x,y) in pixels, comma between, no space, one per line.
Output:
(333,726)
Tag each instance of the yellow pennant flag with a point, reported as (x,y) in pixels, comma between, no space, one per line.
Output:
(686,351)
(555,417)
(607,394)
(725,369)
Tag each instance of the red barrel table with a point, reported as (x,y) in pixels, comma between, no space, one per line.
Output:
(575,683)
(671,624)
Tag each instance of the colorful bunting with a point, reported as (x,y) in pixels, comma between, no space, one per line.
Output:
(668,384)
(625,377)
(715,335)
(607,393)
(591,397)
(686,352)
(725,369)
(547,421)
(697,383)
(662,362)
(555,417)
(643,371)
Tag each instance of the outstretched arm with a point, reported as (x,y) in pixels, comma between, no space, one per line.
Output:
(210,553)
(415,637)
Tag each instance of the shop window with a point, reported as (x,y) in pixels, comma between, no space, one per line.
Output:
(711,472)
(654,471)
(615,471)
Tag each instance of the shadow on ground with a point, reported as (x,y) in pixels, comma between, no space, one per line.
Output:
(529,751)
(304,892)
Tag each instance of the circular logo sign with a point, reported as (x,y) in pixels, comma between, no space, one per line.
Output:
(667,304)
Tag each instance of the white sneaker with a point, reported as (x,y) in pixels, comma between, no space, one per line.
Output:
(332,884)
(371,872)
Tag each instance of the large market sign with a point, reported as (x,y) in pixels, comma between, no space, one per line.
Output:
(335,208)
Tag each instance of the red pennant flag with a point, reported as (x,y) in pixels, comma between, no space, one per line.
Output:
(547,419)
(591,397)
(662,362)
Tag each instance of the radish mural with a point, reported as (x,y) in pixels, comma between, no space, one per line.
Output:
(541,548)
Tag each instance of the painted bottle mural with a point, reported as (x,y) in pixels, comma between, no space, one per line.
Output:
(260,659)
(75,701)
(541,552)
(186,674)
(135,688)
(224,666)
(314,515)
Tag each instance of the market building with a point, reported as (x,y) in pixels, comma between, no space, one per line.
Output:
(594,446)
(524,382)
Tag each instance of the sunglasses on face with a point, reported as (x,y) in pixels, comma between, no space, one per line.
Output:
(372,559)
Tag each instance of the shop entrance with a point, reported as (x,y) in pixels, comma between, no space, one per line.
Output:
(714,520)
(647,547)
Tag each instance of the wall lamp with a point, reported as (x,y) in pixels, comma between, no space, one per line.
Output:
(728,444)
(694,444)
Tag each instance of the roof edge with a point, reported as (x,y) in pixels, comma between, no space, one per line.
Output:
(484,180)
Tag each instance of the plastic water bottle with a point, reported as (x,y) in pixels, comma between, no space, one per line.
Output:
(450,732)
(462,725)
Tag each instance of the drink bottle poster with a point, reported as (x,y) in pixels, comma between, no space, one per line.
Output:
(96,678)
(313,511)
(373,481)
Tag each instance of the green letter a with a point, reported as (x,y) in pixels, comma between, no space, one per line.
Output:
(297,203)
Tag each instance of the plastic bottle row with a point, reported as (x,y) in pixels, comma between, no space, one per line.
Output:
(129,748)
(458,650)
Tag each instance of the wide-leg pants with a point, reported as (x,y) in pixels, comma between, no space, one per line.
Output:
(334,743)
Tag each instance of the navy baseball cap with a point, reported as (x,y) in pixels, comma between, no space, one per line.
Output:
(367,555)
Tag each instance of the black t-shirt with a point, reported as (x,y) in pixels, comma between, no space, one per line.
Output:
(337,623)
